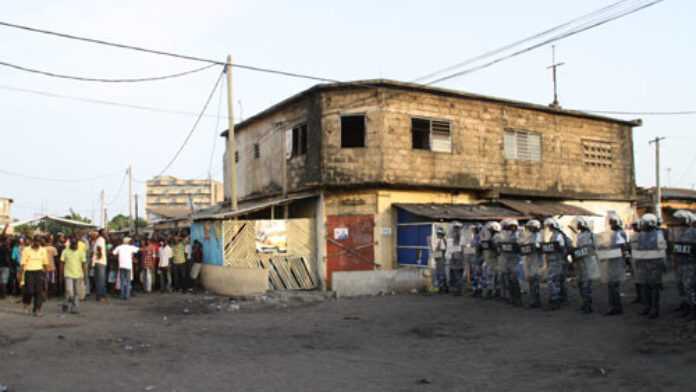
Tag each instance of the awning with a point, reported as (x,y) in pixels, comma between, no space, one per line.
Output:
(463,212)
(63,221)
(245,208)
(545,208)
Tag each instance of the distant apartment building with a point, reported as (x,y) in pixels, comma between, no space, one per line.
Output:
(5,214)
(168,197)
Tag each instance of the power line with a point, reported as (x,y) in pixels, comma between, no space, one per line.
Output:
(545,42)
(70,180)
(101,101)
(104,80)
(519,42)
(164,53)
(215,133)
(648,113)
(119,191)
(195,124)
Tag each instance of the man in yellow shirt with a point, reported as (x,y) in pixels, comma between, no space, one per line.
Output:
(83,287)
(33,266)
(75,270)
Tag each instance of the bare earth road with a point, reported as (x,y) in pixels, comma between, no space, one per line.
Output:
(389,343)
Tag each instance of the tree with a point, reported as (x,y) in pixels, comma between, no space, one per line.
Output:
(122,222)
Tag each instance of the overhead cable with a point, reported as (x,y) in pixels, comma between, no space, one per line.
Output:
(164,53)
(520,42)
(104,80)
(195,125)
(545,42)
(38,178)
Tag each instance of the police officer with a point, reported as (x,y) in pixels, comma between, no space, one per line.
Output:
(585,262)
(533,261)
(679,259)
(478,283)
(490,237)
(616,266)
(455,250)
(510,251)
(635,229)
(555,248)
(439,249)
(683,251)
(650,259)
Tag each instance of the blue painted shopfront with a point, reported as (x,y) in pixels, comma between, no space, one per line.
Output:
(209,233)
(412,239)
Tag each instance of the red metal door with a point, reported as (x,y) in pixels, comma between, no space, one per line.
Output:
(349,244)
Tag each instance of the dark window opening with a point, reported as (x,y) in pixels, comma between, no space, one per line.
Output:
(257,151)
(420,134)
(353,131)
(236,156)
(299,140)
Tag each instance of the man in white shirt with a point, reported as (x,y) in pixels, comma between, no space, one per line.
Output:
(99,264)
(165,255)
(125,253)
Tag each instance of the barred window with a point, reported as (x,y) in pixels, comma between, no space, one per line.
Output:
(522,145)
(598,153)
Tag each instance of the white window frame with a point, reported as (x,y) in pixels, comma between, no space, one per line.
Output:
(430,134)
(511,146)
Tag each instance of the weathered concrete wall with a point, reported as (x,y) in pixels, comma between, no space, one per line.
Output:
(224,280)
(264,176)
(359,283)
(477,160)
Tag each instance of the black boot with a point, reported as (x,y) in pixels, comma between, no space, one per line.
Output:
(655,310)
(639,294)
(618,302)
(2,291)
(646,296)
(692,313)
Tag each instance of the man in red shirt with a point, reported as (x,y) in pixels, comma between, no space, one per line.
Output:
(150,261)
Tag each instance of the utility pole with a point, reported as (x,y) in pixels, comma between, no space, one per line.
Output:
(136,214)
(102,209)
(658,189)
(554,65)
(130,193)
(231,142)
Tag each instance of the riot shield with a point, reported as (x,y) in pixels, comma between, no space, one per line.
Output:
(610,255)
(585,257)
(531,251)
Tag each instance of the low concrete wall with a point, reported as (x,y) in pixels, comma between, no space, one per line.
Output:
(358,283)
(232,281)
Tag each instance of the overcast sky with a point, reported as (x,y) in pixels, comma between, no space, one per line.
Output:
(639,63)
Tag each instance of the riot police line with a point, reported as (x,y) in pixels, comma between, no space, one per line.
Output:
(494,258)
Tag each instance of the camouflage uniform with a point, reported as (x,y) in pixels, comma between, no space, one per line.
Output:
(490,267)
(510,251)
(555,252)
(534,265)
(478,282)
(683,250)
(456,264)
(650,267)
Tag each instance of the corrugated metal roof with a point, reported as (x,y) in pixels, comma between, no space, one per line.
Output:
(545,208)
(464,212)
(251,207)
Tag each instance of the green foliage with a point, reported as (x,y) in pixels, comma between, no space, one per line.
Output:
(122,222)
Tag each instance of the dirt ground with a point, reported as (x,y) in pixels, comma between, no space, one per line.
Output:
(180,342)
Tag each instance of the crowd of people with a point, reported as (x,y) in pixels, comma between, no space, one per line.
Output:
(504,260)
(95,264)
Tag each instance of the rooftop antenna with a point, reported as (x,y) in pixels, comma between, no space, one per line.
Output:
(554,66)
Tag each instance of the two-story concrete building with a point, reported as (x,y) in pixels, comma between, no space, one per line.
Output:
(168,197)
(354,155)
(5,211)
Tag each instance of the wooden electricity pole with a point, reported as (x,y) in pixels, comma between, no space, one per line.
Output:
(658,189)
(231,142)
